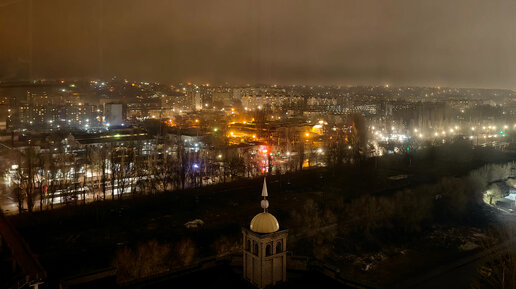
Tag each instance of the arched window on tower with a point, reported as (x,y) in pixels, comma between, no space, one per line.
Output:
(279,247)
(255,249)
(248,247)
(268,250)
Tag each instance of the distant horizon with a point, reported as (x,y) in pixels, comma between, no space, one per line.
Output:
(236,84)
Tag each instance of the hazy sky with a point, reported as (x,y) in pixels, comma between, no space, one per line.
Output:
(401,42)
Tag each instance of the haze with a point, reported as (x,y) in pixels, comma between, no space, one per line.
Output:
(447,43)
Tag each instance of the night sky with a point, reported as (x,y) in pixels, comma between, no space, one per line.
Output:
(401,42)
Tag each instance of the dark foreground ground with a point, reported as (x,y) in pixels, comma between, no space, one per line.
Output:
(223,276)
(79,239)
(228,277)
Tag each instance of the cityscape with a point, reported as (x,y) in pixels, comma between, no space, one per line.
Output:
(257,145)
(87,141)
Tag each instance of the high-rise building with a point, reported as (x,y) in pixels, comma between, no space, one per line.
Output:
(4,115)
(114,114)
(197,101)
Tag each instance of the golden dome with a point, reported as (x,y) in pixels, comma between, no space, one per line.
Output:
(264,223)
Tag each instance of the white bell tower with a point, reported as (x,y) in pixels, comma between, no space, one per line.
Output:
(265,248)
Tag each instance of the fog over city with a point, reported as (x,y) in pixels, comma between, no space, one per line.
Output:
(465,43)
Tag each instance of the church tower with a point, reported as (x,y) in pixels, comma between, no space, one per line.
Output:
(265,248)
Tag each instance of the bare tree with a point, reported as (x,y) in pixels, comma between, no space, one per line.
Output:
(301,154)
(28,172)
(41,177)
(121,172)
(336,150)
(358,137)
(92,172)
(165,169)
(236,165)
(137,169)
(184,163)
(18,196)
(104,157)
(77,165)
(54,182)
(113,168)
